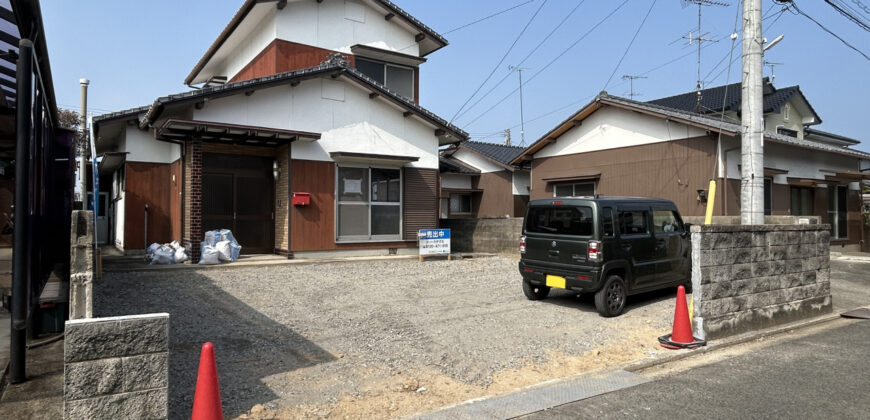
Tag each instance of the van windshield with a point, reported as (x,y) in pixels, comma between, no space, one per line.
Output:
(560,220)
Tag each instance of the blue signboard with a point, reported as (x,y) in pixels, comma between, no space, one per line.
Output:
(434,241)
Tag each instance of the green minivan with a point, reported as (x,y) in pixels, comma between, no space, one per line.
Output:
(611,246)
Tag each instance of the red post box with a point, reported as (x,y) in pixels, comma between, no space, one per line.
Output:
(301,199)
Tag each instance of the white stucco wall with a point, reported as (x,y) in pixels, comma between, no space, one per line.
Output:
(475,160)
(611,128)
(348,120)
(798,161)
(261,33)
(456,181)
(521,182)
(336,25)
(142,147)
(794,121)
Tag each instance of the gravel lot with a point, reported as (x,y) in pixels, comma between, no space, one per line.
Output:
(377,338)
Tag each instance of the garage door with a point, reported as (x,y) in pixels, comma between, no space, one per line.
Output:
(238,194)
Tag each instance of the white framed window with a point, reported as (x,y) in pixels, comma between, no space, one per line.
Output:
(460,203)
(579,189)
(368,204)
(399,79)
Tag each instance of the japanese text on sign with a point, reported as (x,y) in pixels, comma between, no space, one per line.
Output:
(434,241)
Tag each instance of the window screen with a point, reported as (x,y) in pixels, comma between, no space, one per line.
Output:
(560,220)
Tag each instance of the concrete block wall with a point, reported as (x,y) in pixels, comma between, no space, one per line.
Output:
(500,236)
(81,264)
(116,367)
(757,276)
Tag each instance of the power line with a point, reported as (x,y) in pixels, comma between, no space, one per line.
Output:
(848,15)
(487,17)
(827,30)
(630,43)
(501,60)
(534,50)
(560,55)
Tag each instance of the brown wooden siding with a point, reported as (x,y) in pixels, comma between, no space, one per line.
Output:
(282,56)
(312,227)
(147,183)
(497,198)
(175,179)
(520,204)
(673,170)
(420,201)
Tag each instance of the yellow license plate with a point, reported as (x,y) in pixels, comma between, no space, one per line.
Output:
(555,281)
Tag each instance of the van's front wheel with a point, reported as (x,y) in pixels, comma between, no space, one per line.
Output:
(533,292)
(610,300)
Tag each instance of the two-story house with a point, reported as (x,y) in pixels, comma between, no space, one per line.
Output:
(303,134)
(671,147)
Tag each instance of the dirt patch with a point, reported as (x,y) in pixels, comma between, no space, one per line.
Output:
(403,395)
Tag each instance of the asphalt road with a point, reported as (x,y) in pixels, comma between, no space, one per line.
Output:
(821,373)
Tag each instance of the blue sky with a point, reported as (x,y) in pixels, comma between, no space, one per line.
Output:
(134,52)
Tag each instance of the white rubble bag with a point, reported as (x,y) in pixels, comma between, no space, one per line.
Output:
(163,255)
(209,255)
(181,255)
(225,250)
(151,248)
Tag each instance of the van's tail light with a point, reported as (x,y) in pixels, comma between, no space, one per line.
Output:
(595,251)
(522,244)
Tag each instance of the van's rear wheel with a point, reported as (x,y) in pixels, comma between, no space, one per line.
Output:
(533,292)
(610,300)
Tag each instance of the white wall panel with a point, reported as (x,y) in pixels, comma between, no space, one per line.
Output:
(456,181)
(611,128)
(142,147)
(477,161)
(521,182)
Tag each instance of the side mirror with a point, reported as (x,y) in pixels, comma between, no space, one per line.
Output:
(686,228)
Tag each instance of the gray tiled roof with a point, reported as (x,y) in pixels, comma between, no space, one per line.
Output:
(729,126)
(120,114)
(499,152)
(713,99)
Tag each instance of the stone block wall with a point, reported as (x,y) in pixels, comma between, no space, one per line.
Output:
(500,236)
(757,276)
(116,367)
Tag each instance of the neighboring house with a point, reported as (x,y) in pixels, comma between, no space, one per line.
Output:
(478,181)
(664,149)
(306,136)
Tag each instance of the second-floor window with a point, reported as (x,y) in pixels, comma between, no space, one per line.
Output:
(399,79)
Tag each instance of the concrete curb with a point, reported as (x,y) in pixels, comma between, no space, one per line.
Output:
(279,262)
(639,365)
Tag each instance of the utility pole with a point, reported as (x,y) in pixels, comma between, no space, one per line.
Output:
(752,132)
(82,176)
(631,80)
(522,118)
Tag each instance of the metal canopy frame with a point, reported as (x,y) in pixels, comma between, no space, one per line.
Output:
(177,130)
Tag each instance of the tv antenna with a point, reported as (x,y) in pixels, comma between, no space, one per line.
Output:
(522,118)
(700,39)
(772,66)
(631,80)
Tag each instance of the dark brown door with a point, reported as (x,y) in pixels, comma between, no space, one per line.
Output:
(238,194)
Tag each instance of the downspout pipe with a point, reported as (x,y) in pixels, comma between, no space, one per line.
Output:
(20,272)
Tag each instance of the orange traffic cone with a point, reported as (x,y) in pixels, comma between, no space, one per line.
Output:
(681,335)
(207,397)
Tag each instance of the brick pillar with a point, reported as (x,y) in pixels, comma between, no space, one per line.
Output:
(193,198)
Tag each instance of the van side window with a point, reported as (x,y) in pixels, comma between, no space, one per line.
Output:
(607,221)
(633,222)
(665,221)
